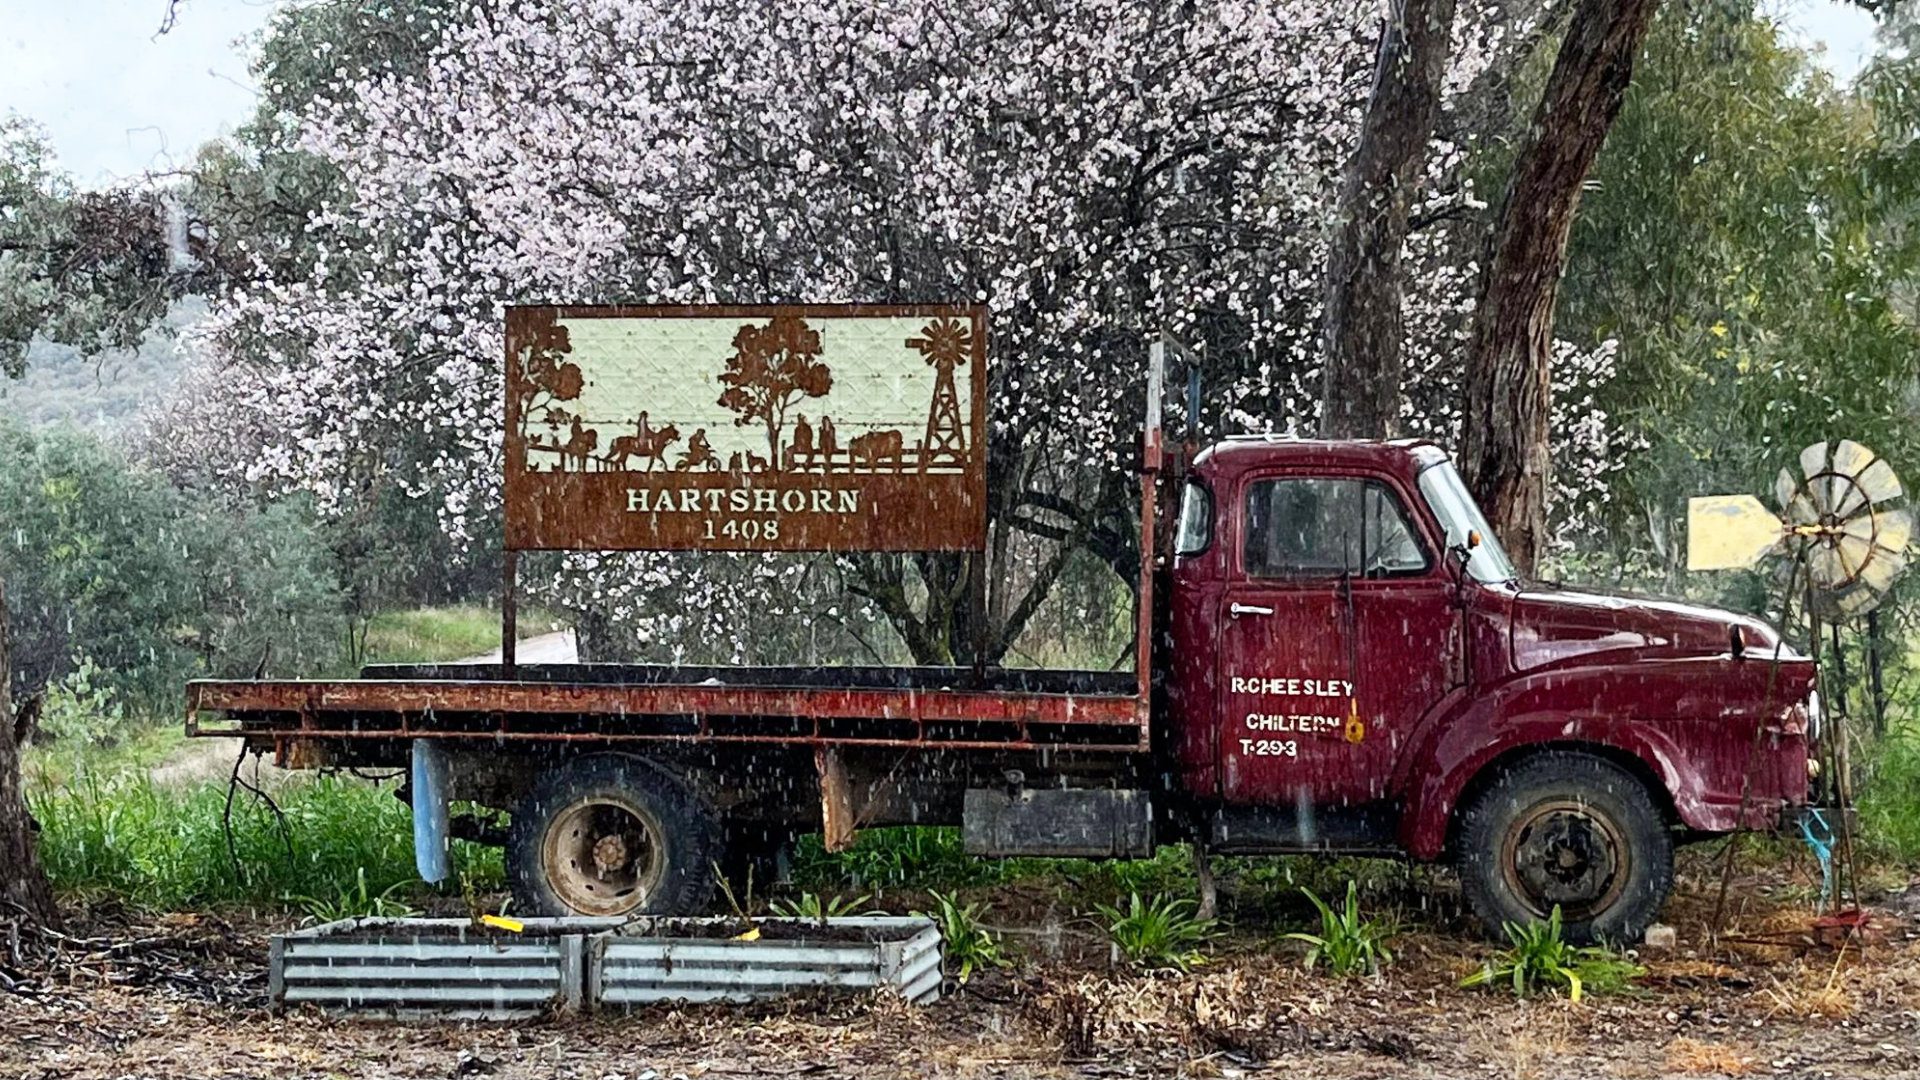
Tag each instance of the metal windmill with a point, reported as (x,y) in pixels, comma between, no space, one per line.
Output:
(1842,524)
(1841,517)
(946,343)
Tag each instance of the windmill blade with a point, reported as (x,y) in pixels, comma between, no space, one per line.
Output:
(1892,531)
(1818,485)
(1878,482)
(1795,506)
(1728,532)
(1880,574)
(1849,458)
(1784,487)
(1825,570)
(1813,460)
(1855,603)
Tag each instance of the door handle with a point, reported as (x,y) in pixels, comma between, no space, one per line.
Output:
(1237,609)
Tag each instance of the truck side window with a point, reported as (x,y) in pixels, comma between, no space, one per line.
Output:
(1195,529)
(1317,527)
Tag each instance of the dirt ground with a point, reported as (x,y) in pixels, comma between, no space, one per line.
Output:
(123,996)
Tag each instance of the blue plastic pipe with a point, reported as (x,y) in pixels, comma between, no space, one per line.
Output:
(430,810)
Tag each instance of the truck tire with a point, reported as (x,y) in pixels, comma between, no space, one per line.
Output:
(610,835)
(1570,830)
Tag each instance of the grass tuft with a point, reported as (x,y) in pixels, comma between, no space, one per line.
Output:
(1159,933)
(1348,943)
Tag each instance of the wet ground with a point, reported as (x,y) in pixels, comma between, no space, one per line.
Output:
(184,996)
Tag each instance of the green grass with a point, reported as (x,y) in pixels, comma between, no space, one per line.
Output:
(165,849)
(143,746)
(1890,797)
(429,635)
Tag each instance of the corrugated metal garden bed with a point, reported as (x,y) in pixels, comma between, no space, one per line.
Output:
(650,961)
(434,968)
(455,969)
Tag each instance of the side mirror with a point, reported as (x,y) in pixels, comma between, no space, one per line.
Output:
(1462,554)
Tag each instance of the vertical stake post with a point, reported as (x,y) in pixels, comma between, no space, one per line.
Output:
(1150,455)
(509,608)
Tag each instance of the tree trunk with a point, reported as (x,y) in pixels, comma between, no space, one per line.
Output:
(23,885)
(1508,380)
(1363,326)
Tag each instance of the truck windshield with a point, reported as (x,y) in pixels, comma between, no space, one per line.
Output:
(1460,515)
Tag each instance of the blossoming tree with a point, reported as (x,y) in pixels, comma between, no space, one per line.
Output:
(1096,173)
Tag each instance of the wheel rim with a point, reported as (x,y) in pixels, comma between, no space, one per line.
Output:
(603,855)
(1563,853)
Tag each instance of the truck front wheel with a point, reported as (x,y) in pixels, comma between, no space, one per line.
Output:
(609,835)
(1572,831)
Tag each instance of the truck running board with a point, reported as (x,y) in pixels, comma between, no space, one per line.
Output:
(1097,823)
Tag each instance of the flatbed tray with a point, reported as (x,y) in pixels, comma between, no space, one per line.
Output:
(874,706)
(836,677)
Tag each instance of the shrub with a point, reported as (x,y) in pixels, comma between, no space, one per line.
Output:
(79,711)
(1347,943)
(1541,958)
(970,947)
(1158,933)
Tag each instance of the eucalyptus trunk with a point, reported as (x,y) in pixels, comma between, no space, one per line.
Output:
(1363,328)
(23,884)
(1505,453)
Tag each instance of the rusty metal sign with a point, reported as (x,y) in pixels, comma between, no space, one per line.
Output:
(788,428)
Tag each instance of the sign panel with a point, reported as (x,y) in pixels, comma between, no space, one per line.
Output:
(789,428)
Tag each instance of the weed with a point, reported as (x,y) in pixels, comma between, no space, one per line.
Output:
(1541,958)
(356,901)
(813,906)
(969,945)
(741,911)
(1347,943)
(1158,933)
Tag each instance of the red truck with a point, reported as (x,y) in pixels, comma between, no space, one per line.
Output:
(1334,655)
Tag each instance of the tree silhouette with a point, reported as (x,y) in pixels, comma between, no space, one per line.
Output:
(773,368)
(546,379)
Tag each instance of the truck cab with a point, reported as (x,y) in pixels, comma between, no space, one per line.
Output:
(1355,665)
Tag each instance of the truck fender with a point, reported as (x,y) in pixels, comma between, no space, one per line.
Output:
(1451,750)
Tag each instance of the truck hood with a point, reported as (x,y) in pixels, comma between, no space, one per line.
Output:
(1552,624)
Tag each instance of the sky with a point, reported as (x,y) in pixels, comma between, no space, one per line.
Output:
(118,98)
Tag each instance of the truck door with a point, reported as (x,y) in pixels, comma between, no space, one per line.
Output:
(1335,595)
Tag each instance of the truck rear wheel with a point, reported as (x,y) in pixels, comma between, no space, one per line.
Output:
(1572,831)
(609,835)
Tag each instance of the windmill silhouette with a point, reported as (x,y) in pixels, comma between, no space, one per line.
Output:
(946,344)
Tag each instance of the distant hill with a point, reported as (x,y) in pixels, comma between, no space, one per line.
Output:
(103,393)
